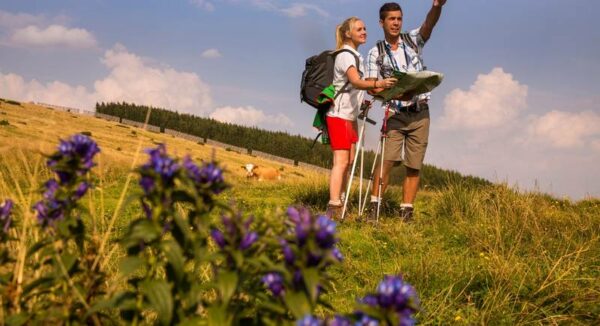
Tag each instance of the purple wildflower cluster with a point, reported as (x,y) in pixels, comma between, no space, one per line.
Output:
(310,320)
(71,162)
(313,236)
(394,296)
(5,219)
(159,175)
(310,244)
(237,234)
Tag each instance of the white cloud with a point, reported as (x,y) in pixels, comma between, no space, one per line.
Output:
(203,4)
(493,100)
(130,79)
(293,10)
(563,129)
(14,86)
(303,9)
(10,20)
(211,54)
(250,116)
(53,35)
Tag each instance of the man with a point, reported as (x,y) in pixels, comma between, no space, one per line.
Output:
(407,127)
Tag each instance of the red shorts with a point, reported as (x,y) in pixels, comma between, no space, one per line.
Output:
(342,133)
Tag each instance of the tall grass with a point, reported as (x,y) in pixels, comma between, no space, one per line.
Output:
(477,255)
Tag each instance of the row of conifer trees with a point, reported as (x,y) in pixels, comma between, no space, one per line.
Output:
(294,147)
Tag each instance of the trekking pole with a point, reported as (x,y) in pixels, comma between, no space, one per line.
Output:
(380,186)
(371,176)
(365,119)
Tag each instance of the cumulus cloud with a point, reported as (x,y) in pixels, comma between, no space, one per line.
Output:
(567,129)
(493,100)
(130,79)
(14,86)
(250,116)
(203,4)
(53,35)
(211,54)
(12,20)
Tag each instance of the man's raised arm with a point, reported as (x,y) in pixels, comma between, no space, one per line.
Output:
(432,18)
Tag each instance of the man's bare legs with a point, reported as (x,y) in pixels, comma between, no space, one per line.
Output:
(410,186)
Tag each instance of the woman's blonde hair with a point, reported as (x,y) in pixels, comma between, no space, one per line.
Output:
(341,29)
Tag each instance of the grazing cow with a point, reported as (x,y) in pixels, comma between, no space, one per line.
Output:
(261,173)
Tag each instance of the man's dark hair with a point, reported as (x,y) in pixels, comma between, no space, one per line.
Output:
(387,7)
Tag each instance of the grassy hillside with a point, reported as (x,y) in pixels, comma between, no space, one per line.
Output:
(476,255)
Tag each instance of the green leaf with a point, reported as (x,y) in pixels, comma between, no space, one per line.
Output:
(16,320)
(40,282)
(174,256)
(297,303)
(129,265)
(158,294)
(227,283)
(68,260)
(37,246)
(311,279)
(217,316)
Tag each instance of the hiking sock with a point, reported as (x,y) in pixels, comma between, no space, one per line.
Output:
(406,205)
(374,199)
(335,203)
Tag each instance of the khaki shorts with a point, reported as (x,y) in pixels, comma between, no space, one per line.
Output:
(408,138)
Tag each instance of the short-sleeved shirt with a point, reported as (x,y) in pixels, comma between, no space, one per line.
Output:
(348,101)
(403,54)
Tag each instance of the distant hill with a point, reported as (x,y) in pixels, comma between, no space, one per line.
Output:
(282,144)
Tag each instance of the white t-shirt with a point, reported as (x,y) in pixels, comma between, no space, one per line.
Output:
(348,102)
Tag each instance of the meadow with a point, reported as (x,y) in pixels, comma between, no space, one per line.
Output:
(484,254)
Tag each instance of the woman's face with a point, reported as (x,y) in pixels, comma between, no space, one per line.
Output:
(358,32)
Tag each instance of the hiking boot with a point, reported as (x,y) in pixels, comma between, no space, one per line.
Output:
(372,211)
(334,212)
(406,214)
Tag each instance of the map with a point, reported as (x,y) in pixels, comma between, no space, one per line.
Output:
(411,83)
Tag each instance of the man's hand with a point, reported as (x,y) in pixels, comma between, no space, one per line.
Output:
(439,3)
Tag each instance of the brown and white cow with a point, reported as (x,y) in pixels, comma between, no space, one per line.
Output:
(261,173)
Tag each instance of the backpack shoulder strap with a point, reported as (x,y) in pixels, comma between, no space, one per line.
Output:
(336,52)
(408,40)
(380,47)
(360,73)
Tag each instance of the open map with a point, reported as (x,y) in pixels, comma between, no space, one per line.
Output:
(412,83)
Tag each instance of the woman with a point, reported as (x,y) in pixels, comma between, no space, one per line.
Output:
(341,117)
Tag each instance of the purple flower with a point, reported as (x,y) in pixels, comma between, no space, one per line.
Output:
(325,228)
(210,175)
(366,320)
(337,254)
(161,163)
(5,211)
(370,300)
(406,317)
(302,220)
(339,321)
(309,320)
(78,150)
(248,240)
(51,188)
(274,282)
(81,190)
(218,237)
(49,212)
(288,253)
(147,184)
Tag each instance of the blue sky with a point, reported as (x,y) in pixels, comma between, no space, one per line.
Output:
(519,103)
